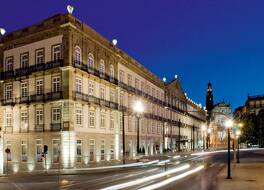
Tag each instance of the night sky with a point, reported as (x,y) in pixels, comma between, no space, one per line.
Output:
(221,41)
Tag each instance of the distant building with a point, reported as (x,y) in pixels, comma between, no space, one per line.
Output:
(220,113)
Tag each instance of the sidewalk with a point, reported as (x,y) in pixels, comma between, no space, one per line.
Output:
(248,174)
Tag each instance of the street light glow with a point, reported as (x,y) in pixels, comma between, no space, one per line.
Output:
(2,31)
(138,107)
(114,42)
(238,133)
(203,127)
(209,130)
(229,123)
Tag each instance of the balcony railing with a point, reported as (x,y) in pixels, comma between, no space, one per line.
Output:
(30,69)
(39,127)
(55,127)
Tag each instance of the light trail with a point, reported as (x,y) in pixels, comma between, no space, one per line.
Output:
(146,179)
(172,179)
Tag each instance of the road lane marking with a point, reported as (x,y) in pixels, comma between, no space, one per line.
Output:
(172,179)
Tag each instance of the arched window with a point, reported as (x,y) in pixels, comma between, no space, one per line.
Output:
(101,68)
(90,62)
(111,72)
(77,55)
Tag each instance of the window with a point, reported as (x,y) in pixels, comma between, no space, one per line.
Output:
(78,85)
(56,84)
(112,95)
(39,87)
(122,98)
(137,83)
(102,120)
(24,60)
(91,149)
(91,119)
(129,80)
(39,150)
(39,116)
(56,115)
(56,150)
(77,55)
(78,116)
(24,89)
(23,151)
(112,151)
(101,68)
(90,63)
(56,52)
(102,92)
(79,150)
(24,121)
(8,119)
(8,91)
(102,150)
(121,76)
(9,64)
(112,121)
(112,72)
(8,145)
(142,86)
(91,88)
(39,56)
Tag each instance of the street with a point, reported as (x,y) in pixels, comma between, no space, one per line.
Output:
(148,176)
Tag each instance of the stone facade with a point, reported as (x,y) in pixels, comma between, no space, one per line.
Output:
(65,86)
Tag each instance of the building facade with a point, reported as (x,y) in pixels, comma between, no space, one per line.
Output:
(65,86)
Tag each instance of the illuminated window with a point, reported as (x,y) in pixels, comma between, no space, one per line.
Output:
(91,149)
(24,89)
(55,150)
(102,150)
(77,55)
(78,85)
(39,150)
(8,91)
(121,76)
(91,119)
(24,121)
(90,62)
(79,150)
(78,116)
(39,116)
(24,60)
(40,56)
(56,115)
(129,80)
(39,87)
(102,120)
(101,68)
(56,52)
(9,64)
(102,92)
(56,84)
(8,119)
(112,72)
(112,122)
(24,151)
(91,88)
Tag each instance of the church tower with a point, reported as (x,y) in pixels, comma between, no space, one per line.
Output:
(209,98)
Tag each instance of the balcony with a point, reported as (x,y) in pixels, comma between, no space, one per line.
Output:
(39,127)
(53,95)
(10,101)
(7,75)
(22,72)
(55,126)
(24,99)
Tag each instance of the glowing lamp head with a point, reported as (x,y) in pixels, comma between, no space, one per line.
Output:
(209,130)
(228,123)
(114,42)
(70,9)
(2,31)
(164,79)
(138,107)
(203,127)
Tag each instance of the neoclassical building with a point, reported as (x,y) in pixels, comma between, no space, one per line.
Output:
(65,86)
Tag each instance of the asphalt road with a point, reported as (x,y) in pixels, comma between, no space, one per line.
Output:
(178,176)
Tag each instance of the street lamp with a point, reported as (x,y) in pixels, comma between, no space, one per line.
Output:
(228,125)
(238,133)
(2,31)
(138,109)
(203,130)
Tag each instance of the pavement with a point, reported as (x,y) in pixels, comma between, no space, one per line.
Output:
(248,174)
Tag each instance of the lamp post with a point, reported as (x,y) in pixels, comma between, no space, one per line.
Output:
(228,125)
(238,133)
(203,131)
(138,109)
(2,31)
